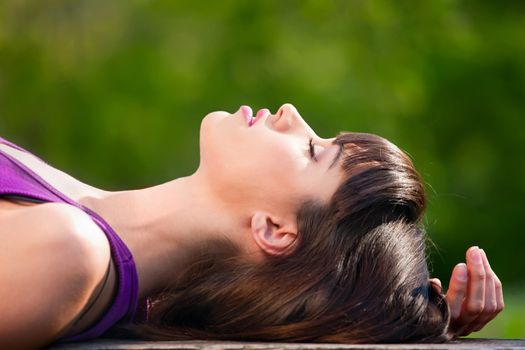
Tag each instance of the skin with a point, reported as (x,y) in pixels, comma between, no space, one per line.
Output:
(249,182)
(248,185)
(475,294)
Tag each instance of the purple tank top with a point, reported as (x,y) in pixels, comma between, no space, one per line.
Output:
(18,180)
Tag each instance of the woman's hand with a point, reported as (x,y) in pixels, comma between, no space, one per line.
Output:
(474,295)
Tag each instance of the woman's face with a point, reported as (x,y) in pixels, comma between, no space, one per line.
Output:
(266,164)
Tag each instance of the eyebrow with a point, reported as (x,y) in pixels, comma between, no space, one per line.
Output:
(337,156)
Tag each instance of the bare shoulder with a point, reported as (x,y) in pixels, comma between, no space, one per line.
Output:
(51,258)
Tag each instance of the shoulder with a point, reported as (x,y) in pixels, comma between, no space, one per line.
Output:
(52,223)
(52,257)
(53,231)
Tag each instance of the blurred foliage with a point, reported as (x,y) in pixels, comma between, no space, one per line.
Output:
(113,92)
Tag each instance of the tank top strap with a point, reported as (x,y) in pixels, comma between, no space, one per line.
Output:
(19,181)
(9,143)
(15,146)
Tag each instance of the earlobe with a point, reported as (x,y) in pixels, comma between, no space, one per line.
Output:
(273,236)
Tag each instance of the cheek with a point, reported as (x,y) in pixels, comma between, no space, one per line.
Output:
(274,157)
(242,165)
(266,177)
(279,162)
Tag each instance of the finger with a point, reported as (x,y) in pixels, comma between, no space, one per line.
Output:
(499,293)
(498,290)
(475,298)
(490,307)
(457,290)
(437,282)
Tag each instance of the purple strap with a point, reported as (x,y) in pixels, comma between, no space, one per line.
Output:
(17,179)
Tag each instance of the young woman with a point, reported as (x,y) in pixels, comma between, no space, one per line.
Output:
(279,235)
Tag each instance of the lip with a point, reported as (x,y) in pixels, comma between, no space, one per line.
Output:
(260,113)
(247,113)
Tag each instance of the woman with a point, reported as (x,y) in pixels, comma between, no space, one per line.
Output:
(278,235)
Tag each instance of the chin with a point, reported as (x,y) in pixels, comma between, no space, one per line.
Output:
(217,114)
(211,136)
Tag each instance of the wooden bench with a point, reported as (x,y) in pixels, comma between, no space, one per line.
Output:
(461,344)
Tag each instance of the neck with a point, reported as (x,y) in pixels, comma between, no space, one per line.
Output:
(160,223)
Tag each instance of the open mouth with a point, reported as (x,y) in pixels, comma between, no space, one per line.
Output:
(248,114)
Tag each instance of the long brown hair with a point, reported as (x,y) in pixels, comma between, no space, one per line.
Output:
(357,274)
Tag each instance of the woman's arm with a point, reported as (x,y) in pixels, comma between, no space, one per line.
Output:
(49,265)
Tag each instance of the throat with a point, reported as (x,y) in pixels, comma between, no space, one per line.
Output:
(159,225)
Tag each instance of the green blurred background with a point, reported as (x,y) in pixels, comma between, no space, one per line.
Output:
(113,92)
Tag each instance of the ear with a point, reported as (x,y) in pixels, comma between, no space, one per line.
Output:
(273,235)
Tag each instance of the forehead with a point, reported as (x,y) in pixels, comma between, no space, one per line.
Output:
(334,154)
(326,174)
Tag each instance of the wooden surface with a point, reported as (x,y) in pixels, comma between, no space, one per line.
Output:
(209,345)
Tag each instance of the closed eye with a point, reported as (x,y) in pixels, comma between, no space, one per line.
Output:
(311,147)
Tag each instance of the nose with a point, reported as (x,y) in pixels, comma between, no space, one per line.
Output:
(288,118)
(287,108)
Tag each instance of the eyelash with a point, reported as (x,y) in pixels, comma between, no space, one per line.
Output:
(312,153)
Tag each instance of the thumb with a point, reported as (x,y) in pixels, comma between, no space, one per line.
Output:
(437,282)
